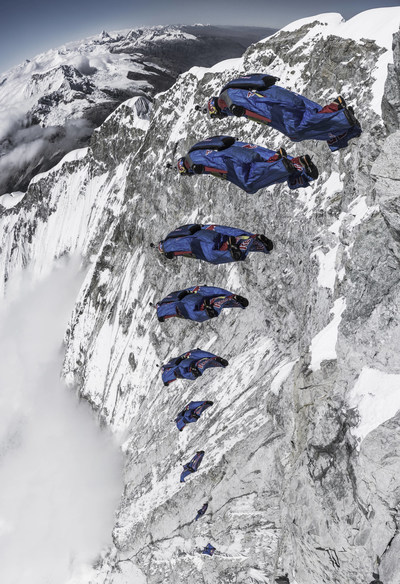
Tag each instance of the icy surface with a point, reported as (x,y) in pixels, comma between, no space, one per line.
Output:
(323,345)
(9,200)
(282,373)
(377,24)
(376,395)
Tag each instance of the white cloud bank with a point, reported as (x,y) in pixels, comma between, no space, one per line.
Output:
(60,475)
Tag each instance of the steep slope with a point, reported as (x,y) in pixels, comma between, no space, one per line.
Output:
(50,105)
(301,467)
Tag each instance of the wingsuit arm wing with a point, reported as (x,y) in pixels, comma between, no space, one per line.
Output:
(184,230)
(225,230)
(209,291)
(198,354)
(260,81)
(191,290)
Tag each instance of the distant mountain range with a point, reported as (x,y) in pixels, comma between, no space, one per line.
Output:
(51,104)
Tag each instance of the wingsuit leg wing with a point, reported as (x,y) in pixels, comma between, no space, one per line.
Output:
(291,114)
(166,308)
(248,166)
(185,474)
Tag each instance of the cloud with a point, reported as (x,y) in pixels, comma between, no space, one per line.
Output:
(37,146)
(10,120)
(82,63)
(60,475)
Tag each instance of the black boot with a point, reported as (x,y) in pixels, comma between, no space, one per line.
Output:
(351,118)
(211,312)
(309,166)
(194,371)
(267,242)
(242,300)
(237,110)
(198,168)
(234,249)
(287,163)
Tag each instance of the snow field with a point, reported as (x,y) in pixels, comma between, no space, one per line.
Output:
(9,200)
(323,345)
(376,395)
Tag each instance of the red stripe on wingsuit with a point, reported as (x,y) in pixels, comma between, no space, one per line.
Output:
(210,169)
(250,114)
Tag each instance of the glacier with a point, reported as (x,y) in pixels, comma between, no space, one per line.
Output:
(301,469)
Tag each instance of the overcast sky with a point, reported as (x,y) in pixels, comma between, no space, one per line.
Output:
(28,28)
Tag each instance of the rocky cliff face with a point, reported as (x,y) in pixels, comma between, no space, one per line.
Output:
(301,466)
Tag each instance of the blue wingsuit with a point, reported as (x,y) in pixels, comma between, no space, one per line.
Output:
(198,303)
(192,466)
(216,244)
(209,550)
(190,365)
(201,511)
(258,98)
(191,413)
(247,166)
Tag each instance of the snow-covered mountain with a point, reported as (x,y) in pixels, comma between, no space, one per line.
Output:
(50,105)
(301,467)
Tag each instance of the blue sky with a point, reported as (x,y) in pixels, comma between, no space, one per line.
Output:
(28,28)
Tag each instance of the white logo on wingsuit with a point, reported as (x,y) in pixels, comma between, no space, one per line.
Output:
(220,301)
(202,363)
(244,243)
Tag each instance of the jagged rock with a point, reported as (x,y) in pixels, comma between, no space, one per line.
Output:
(391,98)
